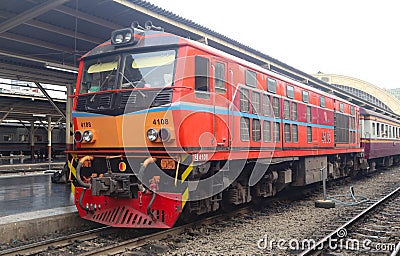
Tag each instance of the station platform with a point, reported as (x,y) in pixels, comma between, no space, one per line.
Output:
(32,206)
(32,192)
(27,165)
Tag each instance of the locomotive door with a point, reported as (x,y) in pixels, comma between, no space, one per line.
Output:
(221,102)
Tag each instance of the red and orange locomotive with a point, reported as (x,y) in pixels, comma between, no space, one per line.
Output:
(166,126)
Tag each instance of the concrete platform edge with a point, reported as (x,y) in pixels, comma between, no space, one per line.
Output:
(37,224)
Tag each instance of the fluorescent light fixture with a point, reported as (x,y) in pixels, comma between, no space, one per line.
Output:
(62,68)
(38,115)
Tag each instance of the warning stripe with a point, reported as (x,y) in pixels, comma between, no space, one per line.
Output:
(186,173)
(73,171)
(185,197)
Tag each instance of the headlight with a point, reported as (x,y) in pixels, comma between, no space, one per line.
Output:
(123,37)
(152,134)
(87,136)
(78,136)
(164,134)
(119,38)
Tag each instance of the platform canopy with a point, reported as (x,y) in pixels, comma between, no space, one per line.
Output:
(41,39)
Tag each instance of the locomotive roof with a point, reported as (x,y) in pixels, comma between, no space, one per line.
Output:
(161,39)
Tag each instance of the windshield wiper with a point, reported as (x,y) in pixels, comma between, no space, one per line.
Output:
(107,77)
(132,84)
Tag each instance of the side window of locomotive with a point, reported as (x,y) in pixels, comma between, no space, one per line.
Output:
(219,79)
(244,128)
(251,78)
(276,107)
(290,91)
(308,114)
(277,132)
(341,107)
(266,105)
(287,133)
(271,85)
(244,100)
(256,130)
(201,74)
(352,110)
(267,131)
(256,103)
(286,109)
(295,133)
(305,96)
(294,111)
(309,134)
(322,101)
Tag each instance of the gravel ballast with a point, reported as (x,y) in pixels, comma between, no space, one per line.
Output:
(274,230)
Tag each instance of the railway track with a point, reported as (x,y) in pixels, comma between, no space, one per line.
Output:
(38,247)
(375,229)
(110,245)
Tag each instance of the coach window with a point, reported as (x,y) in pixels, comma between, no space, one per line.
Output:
(322,101)
(289,91)
(266,105)
(377,130)
(219,80)
(201,74)
(295,133)
(341,107)
(286,109)
(277,132)
(38,138)
(251,78)
(23,137)
(373,129)
(7,137)
(276,107)
(271,85)
(309,119)
(267,131)
(244,129)
(294,111)
(305,96)
(256,102)
(244,100)
(309,134)
(287,133)
(256,130)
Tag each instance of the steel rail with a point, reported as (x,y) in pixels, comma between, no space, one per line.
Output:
(59,241)
(140,241)
(333,234)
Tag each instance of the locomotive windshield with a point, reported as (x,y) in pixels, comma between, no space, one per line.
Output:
(136,70)
(99,74)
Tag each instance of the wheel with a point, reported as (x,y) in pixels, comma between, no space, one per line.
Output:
(327,204)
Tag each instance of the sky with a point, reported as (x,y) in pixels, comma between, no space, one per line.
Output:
(360,39)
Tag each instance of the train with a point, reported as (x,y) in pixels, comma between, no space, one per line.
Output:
(15,140)
(168,128)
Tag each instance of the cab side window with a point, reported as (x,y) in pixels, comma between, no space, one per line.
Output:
(201,74)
